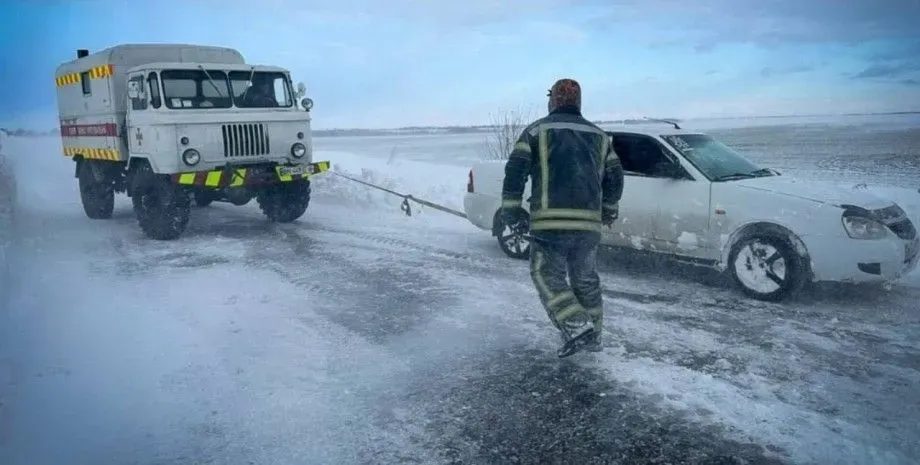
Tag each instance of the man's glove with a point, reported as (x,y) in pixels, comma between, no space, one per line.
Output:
(609,215)
(513,216)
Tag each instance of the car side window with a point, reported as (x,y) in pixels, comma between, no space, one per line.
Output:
(643,156)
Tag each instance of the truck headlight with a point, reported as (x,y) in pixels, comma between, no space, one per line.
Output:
(191,157)
(298,150)
(861,227)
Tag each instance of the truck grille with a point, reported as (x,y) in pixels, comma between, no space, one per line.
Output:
(245,140)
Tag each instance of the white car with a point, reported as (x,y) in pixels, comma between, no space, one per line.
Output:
(691,197)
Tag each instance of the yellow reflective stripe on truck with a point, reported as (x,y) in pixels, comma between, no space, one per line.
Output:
(98,72)
(95,153)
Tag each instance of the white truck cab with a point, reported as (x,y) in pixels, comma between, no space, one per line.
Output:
(168,123)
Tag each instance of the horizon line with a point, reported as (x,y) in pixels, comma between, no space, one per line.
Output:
(9,130)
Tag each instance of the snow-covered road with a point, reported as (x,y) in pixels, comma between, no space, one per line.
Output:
(359,335)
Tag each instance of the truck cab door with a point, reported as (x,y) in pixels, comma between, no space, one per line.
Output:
(138,117)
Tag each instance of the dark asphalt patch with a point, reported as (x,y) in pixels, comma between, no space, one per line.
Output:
(528,407)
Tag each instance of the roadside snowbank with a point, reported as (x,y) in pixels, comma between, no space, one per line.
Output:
(438,183)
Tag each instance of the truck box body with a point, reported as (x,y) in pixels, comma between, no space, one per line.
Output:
(91,93)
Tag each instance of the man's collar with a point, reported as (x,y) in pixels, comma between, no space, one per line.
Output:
(568,109)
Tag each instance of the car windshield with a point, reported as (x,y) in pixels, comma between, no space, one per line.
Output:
(195,89)
(716,160)
(268,90)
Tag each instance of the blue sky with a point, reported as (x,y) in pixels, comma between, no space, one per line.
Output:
(388,63)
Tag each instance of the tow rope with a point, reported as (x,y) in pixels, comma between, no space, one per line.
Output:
(406,207)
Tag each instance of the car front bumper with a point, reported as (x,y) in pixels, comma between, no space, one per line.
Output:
(858,261)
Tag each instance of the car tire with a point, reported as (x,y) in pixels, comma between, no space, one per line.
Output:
(516,246)
(767,267)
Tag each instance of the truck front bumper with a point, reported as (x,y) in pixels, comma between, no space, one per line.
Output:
(250,176)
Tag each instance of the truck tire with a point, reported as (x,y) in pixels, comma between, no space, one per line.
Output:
(162,207)
(285,202)
(203,198)
(98,197)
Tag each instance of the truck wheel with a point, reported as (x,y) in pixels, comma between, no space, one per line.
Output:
(513,244)
(766,267)
(98,197)
(203,198)
(285,202)
(162,208)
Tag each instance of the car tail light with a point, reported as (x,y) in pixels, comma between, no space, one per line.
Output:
(469,183)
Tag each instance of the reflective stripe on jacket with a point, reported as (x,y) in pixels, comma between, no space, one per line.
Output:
(573,168)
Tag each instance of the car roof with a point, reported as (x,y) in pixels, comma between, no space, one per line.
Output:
(652,129)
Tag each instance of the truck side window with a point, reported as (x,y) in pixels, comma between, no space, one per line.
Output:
(84,82)
(154,82)
(138,103)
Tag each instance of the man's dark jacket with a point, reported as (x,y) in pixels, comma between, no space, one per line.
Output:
(576,175)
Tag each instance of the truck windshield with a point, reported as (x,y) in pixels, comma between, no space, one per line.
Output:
(716,160)
(268,90)
(195,89)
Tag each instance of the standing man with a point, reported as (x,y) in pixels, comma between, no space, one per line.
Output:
(576,184)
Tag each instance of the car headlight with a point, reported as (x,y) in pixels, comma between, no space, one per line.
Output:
(191,157)
(861,227)
(298,150)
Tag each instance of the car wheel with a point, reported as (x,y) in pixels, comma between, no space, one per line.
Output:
(514,244)
(766,267)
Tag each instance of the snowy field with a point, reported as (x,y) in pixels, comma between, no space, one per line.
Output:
(360,335)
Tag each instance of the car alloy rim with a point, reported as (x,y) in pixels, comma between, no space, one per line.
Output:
(513,241)
(760,267)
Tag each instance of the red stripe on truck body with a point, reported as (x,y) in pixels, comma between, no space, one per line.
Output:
(89,130)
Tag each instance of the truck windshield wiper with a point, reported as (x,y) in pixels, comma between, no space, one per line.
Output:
(206,73)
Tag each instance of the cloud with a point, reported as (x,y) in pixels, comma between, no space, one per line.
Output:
(901,50)
(708,24)
(911,82)
(888,70)
(770,71)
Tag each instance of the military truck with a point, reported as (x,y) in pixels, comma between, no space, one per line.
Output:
(167,124)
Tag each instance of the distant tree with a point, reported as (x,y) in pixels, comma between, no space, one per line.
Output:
(505,128)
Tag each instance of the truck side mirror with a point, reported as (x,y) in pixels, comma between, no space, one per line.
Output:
(132,90)
(301,90)
(136,90)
